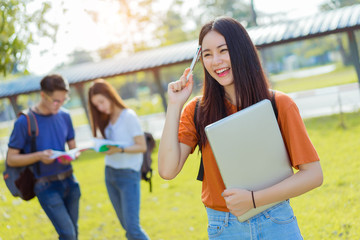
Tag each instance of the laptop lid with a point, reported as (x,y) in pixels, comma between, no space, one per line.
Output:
(249,150)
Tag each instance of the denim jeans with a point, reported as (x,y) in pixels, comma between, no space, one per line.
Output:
(60,201)
(277,222)
(123,186)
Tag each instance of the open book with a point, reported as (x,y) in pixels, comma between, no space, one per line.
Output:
(99,145)
(67,156)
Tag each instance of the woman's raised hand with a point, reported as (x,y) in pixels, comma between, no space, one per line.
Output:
(179,91)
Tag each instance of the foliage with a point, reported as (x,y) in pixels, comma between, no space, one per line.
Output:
(328,212)
(109,51)
(171,31)
(20,27)
(240,10)
(316,47)
(309,52)
(179,25)
(139,19)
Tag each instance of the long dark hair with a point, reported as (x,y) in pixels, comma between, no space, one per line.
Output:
(250,82)
(99,120)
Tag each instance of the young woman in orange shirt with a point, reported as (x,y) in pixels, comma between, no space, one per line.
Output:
(234,80)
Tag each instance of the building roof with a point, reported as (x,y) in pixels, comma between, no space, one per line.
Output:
(325,23)
(335,21)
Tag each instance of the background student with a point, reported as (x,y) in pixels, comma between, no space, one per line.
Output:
(56,188)
(110,116)
(234,80)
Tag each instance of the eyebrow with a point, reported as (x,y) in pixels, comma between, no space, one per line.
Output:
(221,45)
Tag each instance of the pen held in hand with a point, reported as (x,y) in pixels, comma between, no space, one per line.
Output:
(195,59)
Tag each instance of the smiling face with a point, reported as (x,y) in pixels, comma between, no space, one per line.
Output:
(102,103)
(216,58)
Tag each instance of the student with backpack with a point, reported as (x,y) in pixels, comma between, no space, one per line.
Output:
(234,80)
(115,121)
(56,188)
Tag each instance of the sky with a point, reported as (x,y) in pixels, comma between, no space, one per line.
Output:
(77,31)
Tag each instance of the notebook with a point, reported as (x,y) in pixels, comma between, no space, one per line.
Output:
(249,150)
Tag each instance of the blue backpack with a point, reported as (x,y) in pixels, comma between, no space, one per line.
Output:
(21,180)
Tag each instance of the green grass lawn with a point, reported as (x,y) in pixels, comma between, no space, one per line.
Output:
(174,209)
(342,75)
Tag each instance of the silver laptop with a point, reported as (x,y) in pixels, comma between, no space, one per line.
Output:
(249,150)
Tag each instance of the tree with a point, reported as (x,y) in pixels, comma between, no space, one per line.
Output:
(175,24)
(238,9)
(171,31)
(136,15)
(138,19)
(20,27)
(109,51)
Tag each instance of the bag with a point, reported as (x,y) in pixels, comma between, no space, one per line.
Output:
(200,175)
(146,170)
(21,180)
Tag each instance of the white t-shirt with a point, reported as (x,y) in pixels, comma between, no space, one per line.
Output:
(126,127)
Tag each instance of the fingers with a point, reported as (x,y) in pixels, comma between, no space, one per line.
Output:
(106,152)
(177,85)
(228,192)
(48,152)
(64,160)
(182,82)
(111,150)
(185,77)
(45,156)
(238,201)
(190,82)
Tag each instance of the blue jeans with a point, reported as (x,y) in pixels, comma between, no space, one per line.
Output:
(123,186)
(277,222)
(60,201)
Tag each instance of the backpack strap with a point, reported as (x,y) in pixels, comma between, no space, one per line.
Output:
(33,130)
(273,103)
(200,176)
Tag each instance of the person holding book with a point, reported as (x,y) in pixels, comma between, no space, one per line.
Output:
(56,188)
(116,122)
(234,80)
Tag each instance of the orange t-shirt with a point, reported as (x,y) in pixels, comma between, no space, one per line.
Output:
(293,131)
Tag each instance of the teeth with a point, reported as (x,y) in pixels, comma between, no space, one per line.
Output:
(221,70)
